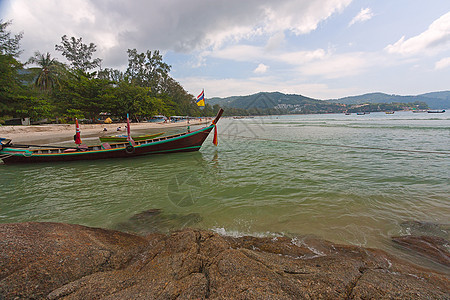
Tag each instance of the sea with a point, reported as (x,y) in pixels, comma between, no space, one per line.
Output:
(350,179)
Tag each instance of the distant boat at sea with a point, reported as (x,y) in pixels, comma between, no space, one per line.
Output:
(436,111)
(390,112)
(360,113)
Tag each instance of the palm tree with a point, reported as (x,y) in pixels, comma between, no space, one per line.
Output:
(50,70)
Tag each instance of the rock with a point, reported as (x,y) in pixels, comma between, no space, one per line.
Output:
(50,260)
(419,228)
(36,258)
(433,247)
(154,220)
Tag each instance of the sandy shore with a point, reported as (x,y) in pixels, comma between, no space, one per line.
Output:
(64,132)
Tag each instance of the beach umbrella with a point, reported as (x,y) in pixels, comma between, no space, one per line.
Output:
(77,136)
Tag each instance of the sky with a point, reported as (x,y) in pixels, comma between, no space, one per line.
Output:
(322,49)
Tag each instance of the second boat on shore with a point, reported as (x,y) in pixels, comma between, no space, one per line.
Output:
(123,137)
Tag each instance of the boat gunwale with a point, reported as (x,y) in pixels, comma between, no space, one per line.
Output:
(139,144)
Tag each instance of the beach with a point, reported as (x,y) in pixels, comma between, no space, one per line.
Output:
(62,132)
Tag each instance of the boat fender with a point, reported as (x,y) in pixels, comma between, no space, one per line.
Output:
(129,149)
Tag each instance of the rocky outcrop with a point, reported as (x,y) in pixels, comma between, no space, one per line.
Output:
(426,239)
(51,260)
(154,220)
(432,247)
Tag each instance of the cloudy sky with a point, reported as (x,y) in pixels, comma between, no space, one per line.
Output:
(318,48)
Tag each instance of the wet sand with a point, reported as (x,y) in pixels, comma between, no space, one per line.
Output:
(65,132)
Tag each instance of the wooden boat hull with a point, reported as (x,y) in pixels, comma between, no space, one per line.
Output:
(124,139)
(185,142)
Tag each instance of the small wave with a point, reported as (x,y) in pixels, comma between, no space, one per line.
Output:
(237,234)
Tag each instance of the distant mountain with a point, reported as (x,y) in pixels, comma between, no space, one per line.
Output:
(292,102)
(434,100)
(278,102)
(438,95)
(261,100)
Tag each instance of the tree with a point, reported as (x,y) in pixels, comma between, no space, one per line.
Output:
(9,45)
(115,76)
(147,70)
(9,69)
(35,107)
(81,94)
(49,70)
(78,54)
(135,100)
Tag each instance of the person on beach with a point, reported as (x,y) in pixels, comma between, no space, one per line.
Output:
(119,128)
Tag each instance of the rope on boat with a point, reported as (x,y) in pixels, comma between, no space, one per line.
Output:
(340,146)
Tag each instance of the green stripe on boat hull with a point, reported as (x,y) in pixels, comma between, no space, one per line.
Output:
(180,143)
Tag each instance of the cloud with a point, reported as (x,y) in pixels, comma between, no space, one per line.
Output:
(275,42)
(243,53)
(237,87)
(261,69)
(247,53)
(299,17)
(301,57)
(435,39)
(341,65)
(176,25)
(442,64)
(364,15)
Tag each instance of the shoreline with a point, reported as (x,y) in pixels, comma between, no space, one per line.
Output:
(61,132)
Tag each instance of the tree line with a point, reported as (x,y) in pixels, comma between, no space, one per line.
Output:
(43,87)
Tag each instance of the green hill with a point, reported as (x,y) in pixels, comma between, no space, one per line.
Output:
(435,100)
(277,102)
(298,103)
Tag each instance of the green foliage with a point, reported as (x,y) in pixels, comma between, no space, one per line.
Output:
(147,70)
(9,45)
(78,54)
(115,76)
(35,107)
(10,84)
(50,71)
(82,92)
(53,90)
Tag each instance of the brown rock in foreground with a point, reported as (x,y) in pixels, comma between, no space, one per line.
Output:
(51,260)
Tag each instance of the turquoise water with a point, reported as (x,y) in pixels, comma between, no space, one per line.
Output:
(326,175)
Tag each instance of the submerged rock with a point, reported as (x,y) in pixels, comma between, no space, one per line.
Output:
(435,248)
(427,239)
(51,260)
(419,228)
(154,220)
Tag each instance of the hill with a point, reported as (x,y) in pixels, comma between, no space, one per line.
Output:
(435,100)
(298,103)
(278,103)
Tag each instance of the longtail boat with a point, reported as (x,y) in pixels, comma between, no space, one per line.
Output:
(123,138)
(185,142)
